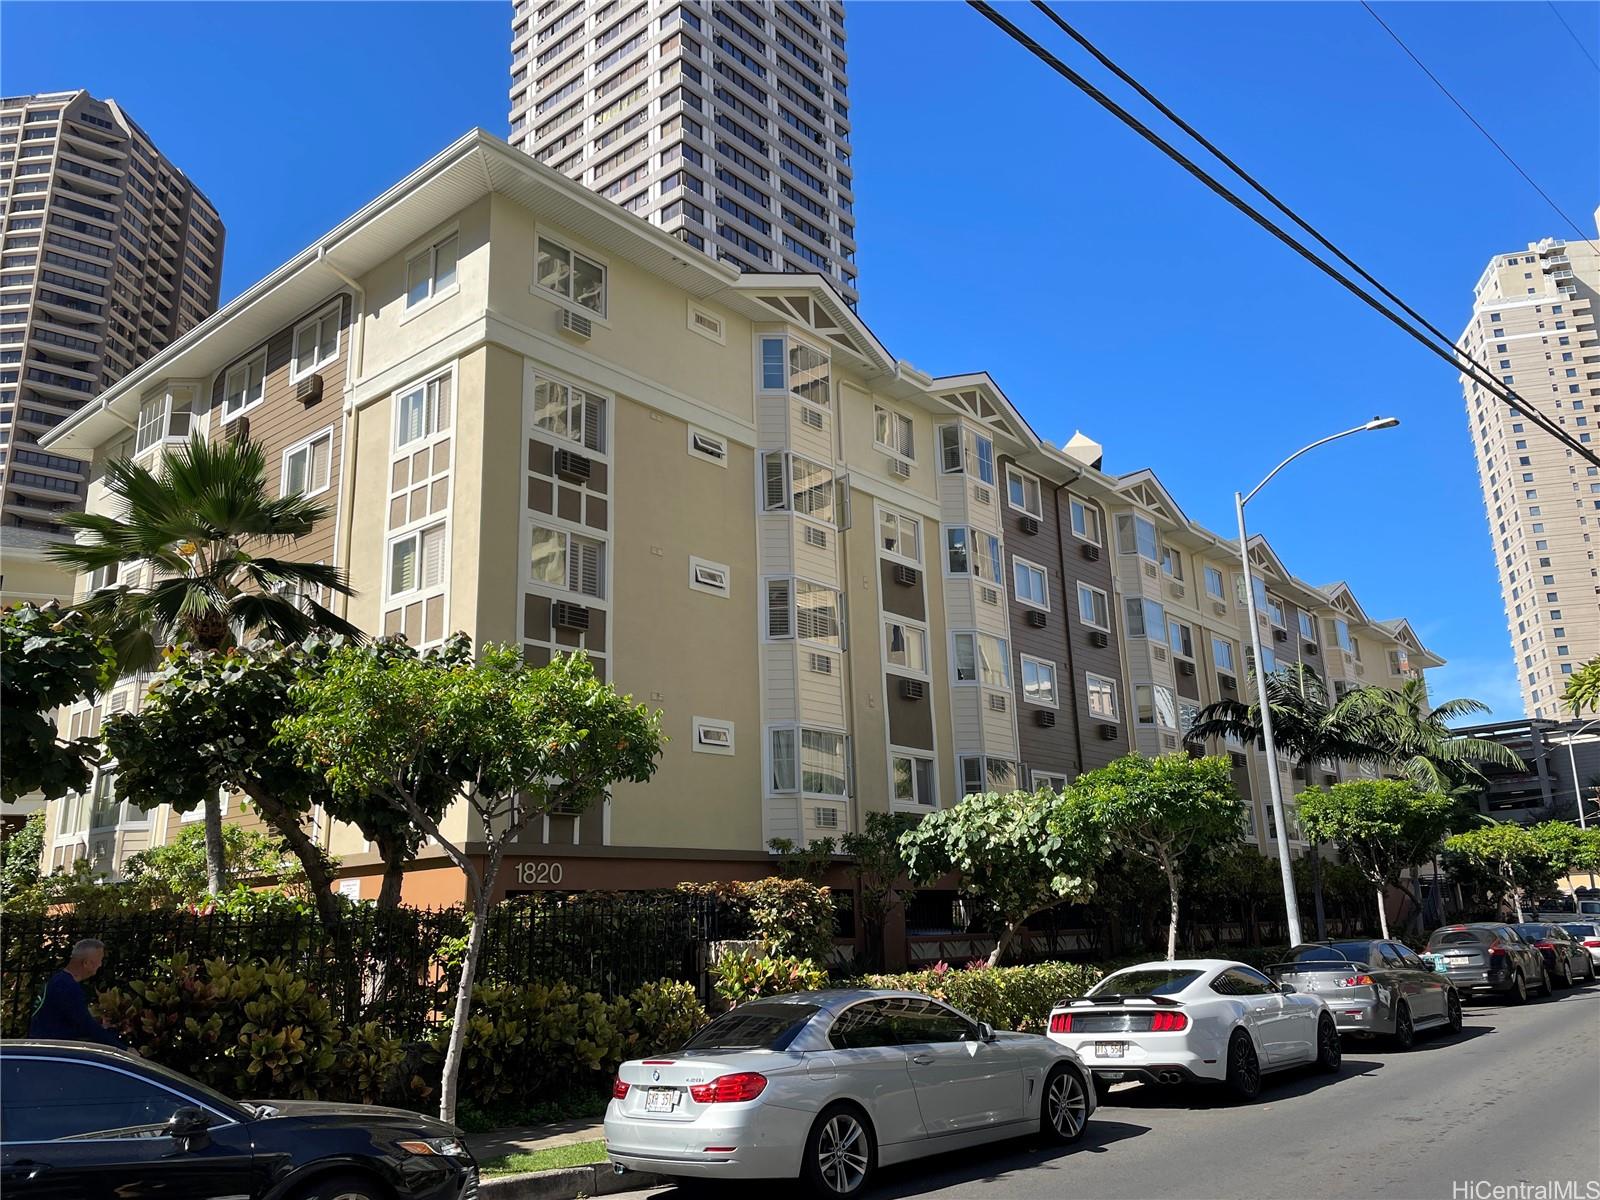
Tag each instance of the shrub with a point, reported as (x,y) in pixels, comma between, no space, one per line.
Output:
(793,917)
(1017,998)
(662,1016)
(742,976)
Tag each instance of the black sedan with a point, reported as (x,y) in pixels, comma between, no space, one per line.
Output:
(85,1122)
(1564,955)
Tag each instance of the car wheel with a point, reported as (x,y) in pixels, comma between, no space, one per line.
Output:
(1244,1068)
(1330,1052)
(1065,1110)
(840,1152)
(1405,1033)
(1452,1012)
(1566,975)
(1589,963)
(1519,988)
(342,1187)
(1548,985)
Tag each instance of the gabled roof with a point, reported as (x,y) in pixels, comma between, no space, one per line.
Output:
(1142,487)
(978,396)
(810,301)
(1403,633)
(1342,598)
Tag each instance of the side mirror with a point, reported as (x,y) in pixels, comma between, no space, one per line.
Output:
(188,1123)
(985,1032)
(1286,988)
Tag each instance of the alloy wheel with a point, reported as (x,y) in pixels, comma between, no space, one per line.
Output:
(1519,988)
(1405,1033)
(1066,1105)
(842,1154)
(1330,1052)
(1453,1012)
(1244,1069)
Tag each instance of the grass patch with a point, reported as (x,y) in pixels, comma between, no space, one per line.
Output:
(575,1154)
(568,1106)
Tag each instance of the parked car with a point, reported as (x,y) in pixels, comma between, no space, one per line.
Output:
(1565,959)
(830,1085)
(1197,1019)
(86,1122)
(1588,936)
(1488,956)
(1374,987)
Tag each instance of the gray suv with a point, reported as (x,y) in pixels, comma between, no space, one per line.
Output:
(1488,956)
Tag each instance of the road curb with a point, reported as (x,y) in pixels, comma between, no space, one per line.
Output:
(565,1183)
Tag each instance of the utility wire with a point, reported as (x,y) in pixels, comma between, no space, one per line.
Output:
(1576,41)
(1450,355)
(1504,153)
(1478,370)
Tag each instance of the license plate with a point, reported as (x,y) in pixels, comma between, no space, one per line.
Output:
(660,1099)
(1109,1049)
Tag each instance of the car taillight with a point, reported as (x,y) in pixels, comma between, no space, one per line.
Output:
(1545,945)
(1168,1022)
(619,1090)
(730,1089)
(1356,981)
(1060,1022)
(1591,941)
(1497,952)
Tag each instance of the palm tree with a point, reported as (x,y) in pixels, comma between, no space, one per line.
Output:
(1583,689)
(1417,740)
(201,522)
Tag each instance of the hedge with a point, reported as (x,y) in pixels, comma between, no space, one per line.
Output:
(1017,998)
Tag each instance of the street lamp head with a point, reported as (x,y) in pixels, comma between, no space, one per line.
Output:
(1382,423)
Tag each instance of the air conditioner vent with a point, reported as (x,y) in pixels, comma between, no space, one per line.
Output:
(1045,718)
(1028,524)
(1159,653)
(1185,667)
(1108,733)
(1220,609)
(566,615)
(309,389)
(997,702)
(576,325)
(573,466)
(989,595)
(1100,638)
(239,430)
(1150,570)
(1092,553)
(981,495)
(821,664)
(912,689)
(810,416)
(905,576)
(1280,635)
(1311,648)
(1177,591)
(1227,683)
(1037,619)
(899,468)
(816,537)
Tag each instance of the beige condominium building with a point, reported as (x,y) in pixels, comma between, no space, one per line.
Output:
(725,123)
(1533,326)
(851,586)
(107,253)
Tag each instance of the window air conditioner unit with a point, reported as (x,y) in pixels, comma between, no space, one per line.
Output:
(1185,667)
(1037,620)
(1108,733)
(1220,609)
(309,389)
(239,431)
(1280,635)
(1311,648)
(1045,718)
(1100,638)
(577,326)
(573,466)
(1028,524)
(1090,552)
(899,469)
(912,689)
(566,615)
(1227,683)
(905,576)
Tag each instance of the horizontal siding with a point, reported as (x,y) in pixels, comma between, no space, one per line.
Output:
(808,441)
(772,420)
(966,719)
(779,674)
(821,698)
(780,818)
(816,562)
(774,536)
(999,734)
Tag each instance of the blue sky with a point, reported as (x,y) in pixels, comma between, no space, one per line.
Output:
(1007,224)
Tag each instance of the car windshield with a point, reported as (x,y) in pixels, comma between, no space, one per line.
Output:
(1582,931)
(753,1027)
(1145,981)
(1534,933)
(1460,937)
(1326,958)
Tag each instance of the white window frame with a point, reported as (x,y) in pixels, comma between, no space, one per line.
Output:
(794,584)
(914,756)
(1041,779)
(1134,521)
(901,520)
(978,680)
(787,458)
(1222,583)
(1144,603)
(700,573)
(1075,505)
(967,439)
(1025,478)
(244,365)
(299,370)
(1105,602)
(993,557)
(719,335)
(420,587)
(567,535)
(566,298)
(1275,613)
(1019,564)
(1307,619)
(429,249)
(1103,683)
(1040,665)
(983,761)
(306,444)
(695,451)
(1231,666)
(721,732)
(1171,560)
(898,423)
(576,412)
(1177,653)
(771,785)
(430,410)
(908,625)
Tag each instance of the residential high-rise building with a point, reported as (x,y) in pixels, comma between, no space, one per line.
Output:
(1533,326)
(107,254)
(726,123)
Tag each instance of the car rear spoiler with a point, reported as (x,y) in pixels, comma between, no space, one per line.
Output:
(1330,962)
(1119,998)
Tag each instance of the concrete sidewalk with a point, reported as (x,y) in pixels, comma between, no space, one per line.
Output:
(525,1140)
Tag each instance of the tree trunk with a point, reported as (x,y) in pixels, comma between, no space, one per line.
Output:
(463,1009)
(216,854)
(394,873)
(1383,914)
(1172,912)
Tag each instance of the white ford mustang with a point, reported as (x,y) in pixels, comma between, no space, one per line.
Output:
(829,1085)
(1196,1019)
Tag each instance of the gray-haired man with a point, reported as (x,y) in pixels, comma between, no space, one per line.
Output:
(63,1012)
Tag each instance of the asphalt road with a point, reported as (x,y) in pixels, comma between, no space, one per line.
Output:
(1513,1099)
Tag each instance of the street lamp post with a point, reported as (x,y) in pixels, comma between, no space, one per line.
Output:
(1290,903)
(1577,788)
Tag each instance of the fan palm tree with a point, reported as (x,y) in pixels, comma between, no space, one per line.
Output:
(1583,689)
(201,521)
(1417,740)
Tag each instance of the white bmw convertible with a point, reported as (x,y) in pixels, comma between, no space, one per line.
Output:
(1200,1019)
(829,1085)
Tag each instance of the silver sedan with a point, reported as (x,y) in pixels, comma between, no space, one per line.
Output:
(827,1086)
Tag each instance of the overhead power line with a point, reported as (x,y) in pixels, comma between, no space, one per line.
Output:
(1576,40)
(1478,370)
(1477,124)
(1448,352)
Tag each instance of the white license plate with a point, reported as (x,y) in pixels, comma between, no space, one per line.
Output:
(660,1099)
(1109,1049)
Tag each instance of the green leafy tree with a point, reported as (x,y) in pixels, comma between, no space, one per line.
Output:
(1381,826)
(878,864)
(21,853)
(48,659)
(199,533)
(1020,853)
(180,866)
(810,862)
(1164,810)
(1568,847)
(516,741)
(1519,858)
(1582,694)
(1416,740)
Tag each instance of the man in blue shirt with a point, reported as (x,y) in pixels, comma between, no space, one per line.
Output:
(63,1013)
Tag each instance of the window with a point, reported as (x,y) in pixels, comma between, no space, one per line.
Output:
(1214,584)
(1341,634)
(571,413)
(913,779)
(900,535)
(1222,652)
(245,386)
(306,466)
(1156,705)
(416,560)
(783,773)
(822,770)
(797,484)
(316,343)
(1039,682)
(1308,626)
(1146,618)
(800,608)
(892,432)
(773,376)
(981,774)
(708,446)
(1102,697)
(1181,638)
(927,1023)
(982,658)
(431,272)
(54,1099)
(1093,607)
(971,551)
(1275,612)
(1052,781)
(1135,535)
(422,411)
(966,450)
(1030,584)
(1022,493)
(1085,520)
(1171,561)
(570,275)
(705,576)
(560,559)
(712,737)
(810,377)
(905,646)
